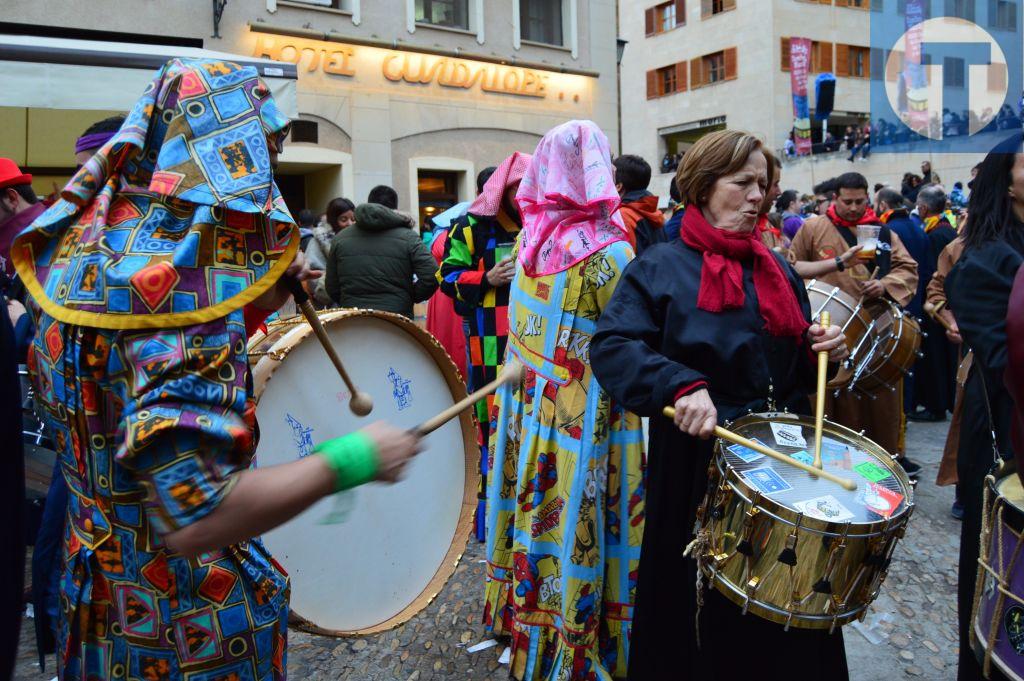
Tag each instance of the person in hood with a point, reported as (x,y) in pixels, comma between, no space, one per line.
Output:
(380,262)
(639,208)
(476,271)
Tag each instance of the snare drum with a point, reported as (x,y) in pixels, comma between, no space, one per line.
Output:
(895,345)
(846,313)
(997,623)
(792,548)
(398,544)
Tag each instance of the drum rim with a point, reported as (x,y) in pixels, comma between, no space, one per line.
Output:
(786,515)
(264,370)
(874,365)
(857,311)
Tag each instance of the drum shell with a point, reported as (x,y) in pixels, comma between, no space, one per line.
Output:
(856,577)
(896,353)
(845,312)
(271,350)
(1001,546)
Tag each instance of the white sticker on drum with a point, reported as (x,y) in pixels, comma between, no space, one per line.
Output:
(788,434)
(825,508)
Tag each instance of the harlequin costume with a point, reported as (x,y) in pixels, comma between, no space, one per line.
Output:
(476,243)
(143,270)
(565,502)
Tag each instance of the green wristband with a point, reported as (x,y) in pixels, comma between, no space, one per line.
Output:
(353,458)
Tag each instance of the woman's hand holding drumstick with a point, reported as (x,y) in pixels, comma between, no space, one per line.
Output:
(724,434)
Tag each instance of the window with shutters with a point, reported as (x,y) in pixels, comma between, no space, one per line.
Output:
(709,8)
(855,4)
(540,21)
(963,9)
(714,67)
(451,13)
(860,62)
(667,80)
(821,56)
(664,17)
(1003,14)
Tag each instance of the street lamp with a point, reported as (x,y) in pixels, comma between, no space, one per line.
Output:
(620,47)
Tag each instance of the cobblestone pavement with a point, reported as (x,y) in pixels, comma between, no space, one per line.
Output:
(910,631)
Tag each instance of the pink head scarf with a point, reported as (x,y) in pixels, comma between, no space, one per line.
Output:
(568,200)
(508,173)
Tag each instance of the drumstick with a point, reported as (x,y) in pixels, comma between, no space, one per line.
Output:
(724,434)
(819,407)
(360,403)
(874,273)
(933,312)
(512,371)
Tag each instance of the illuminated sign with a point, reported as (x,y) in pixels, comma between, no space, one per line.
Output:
(458,73)
(331,58)
(409,67)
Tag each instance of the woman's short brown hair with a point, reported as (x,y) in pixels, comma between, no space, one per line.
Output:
(714,155)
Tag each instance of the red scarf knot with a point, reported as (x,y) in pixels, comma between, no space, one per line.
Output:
(721,277)
(869,218)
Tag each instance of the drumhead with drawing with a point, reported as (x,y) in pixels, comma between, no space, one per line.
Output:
(398,544)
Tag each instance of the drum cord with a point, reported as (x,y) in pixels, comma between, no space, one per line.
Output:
(698,550)
(1001,584)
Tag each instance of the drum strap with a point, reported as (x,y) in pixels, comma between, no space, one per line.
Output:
(997,457)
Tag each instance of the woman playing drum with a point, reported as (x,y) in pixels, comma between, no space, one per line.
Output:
(717,325)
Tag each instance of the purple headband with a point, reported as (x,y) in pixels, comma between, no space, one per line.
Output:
(92,141)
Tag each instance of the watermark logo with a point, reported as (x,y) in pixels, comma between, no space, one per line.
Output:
(948,82)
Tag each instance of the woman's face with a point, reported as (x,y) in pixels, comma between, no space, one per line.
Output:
(346,219)
(735,199)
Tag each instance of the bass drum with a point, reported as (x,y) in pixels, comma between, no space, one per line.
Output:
(895,346)
(380,561)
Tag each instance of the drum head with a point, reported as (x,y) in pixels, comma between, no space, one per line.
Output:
(395,545)
(1011,490)
(882,493)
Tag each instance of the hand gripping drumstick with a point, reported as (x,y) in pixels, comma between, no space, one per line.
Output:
(512,371)
(933,312)
(819,407)
(724,434)
(360,403)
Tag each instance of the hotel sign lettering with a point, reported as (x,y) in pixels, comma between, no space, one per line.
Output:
(408,67)
(458,73)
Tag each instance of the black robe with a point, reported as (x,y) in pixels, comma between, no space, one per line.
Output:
(652,341)
(978,289)
(935,371)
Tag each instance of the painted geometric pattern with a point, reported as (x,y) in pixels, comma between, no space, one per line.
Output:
(149,428)
(565,502)
(178,213)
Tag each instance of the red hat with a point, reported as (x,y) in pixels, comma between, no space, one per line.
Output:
(11,175)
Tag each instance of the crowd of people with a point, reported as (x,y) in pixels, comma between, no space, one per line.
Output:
(124,304)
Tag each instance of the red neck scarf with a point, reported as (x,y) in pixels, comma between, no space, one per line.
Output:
(721,277)
(869,218)
(765,225)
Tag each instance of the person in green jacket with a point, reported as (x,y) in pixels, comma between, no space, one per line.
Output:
(380,263)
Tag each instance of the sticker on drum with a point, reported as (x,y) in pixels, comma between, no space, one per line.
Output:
(1013,623)
(838,456)
(746,453)
(825,508)
(788,435)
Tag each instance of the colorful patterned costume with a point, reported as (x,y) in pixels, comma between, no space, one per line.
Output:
(565,505)
(476,243)
(142,271)
(565,509)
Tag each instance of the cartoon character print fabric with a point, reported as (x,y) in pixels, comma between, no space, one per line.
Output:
(176,220)
(565,499)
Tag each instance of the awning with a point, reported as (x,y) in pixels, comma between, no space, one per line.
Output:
(61,73)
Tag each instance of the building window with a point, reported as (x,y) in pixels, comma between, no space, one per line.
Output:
(853,61)
(963,9)
(451,13)
(953,72)
(709,8)
(821,56)
(345,5)
(664,17)
(713,68)
(1003,14)
(667,80)
(540,21)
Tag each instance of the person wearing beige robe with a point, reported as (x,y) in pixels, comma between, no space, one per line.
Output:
(881,418)
(936,304)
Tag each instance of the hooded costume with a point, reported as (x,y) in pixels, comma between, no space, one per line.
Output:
(565,505)
(142,270)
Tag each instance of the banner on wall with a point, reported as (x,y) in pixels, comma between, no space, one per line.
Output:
(915,80)
(799,66)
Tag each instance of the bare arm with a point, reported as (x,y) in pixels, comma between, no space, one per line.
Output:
(260,500)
